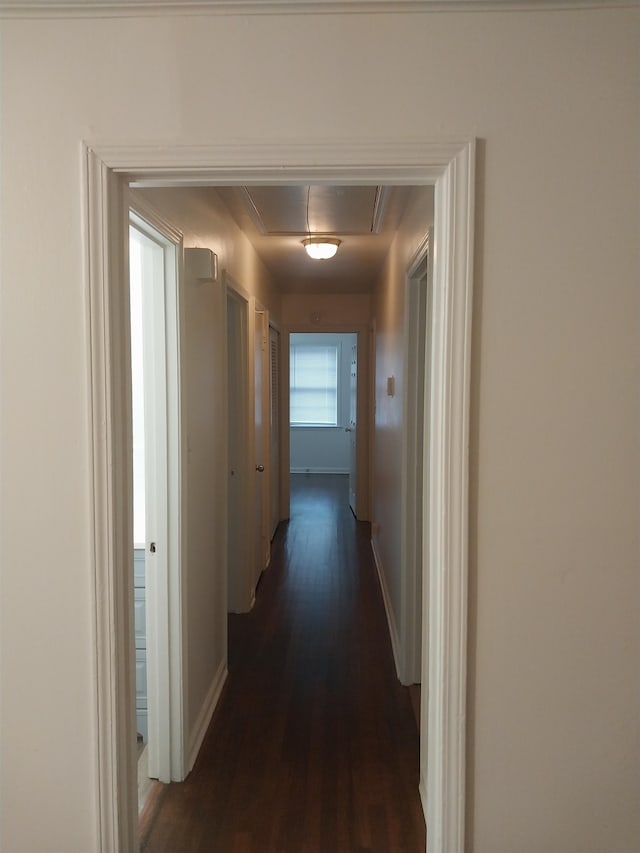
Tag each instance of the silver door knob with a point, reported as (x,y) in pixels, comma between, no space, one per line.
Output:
(260,468)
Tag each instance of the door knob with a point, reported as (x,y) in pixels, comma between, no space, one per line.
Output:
(260,468)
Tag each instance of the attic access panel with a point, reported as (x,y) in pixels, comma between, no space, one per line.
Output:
(295,210)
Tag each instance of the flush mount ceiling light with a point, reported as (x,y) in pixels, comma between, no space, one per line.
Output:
(321,248)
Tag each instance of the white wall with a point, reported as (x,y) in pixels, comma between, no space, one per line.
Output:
(325,450)
(554,634)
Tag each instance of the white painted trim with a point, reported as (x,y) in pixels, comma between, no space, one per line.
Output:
(259,451)
(206,713)
(235,289)
(143,208)
(154,8)
(238,373)
(414,481)
(449,166)
(444,718)
(106,238)
(167,702)
(420,254)
(388,607)
(357,163)
(156,489)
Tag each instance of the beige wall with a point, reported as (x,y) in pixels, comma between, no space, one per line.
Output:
(390,341)
(555,421)
(308,312)
(206,223)
(204,502)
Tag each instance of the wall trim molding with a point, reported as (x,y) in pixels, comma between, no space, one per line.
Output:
(388,608)
(113,638)
(163,8)
(449,166)
(196,737)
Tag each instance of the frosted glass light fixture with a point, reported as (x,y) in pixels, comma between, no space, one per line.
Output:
(321,248)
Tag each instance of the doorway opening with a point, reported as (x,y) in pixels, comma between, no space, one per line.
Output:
(450,167)
(323,405)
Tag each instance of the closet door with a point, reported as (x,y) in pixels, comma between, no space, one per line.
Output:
(274,430)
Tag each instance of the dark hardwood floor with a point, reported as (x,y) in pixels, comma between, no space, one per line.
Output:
(314,746)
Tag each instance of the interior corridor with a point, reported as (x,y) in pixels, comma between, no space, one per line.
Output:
(314,745)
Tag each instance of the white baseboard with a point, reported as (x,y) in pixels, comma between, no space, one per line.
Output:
(391,622)
(206,713)
(422,788)
(319,471)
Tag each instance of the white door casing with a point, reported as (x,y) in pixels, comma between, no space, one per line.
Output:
(260,444)
(274,430)
(240,468)
(353,423)
(156,544)
(415,463)
(449,166)
(161,320)
(361,440)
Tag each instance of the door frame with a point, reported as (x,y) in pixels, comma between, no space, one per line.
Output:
(164,586)
(239,373)
(257,451)
(353,434)
(415,482)
(449,166)
(363,436)
(275,428)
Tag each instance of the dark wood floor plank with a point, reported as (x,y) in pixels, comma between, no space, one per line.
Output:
(313,747)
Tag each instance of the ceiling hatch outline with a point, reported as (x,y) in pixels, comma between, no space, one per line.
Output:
(347,210)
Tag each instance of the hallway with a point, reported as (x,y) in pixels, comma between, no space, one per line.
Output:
(313,746)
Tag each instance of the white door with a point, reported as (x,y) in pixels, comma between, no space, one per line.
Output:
(260,433)
(415,474)
(353,417)
(156,462)
(239,546)
(274,430)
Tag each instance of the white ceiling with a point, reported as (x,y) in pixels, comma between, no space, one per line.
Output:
(277,218)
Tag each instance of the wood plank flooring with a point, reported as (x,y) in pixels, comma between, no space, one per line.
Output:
(313,747)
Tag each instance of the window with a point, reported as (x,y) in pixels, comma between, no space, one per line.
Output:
(314,384)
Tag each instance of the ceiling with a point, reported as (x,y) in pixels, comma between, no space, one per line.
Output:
(277,218)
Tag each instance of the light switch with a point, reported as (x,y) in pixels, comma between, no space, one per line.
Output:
(391,386)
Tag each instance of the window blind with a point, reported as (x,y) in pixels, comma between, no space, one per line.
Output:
(314,385)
